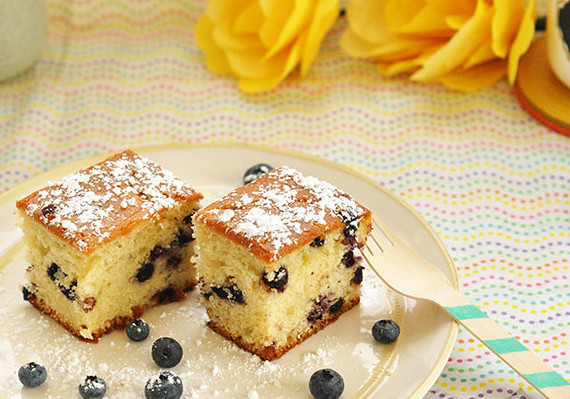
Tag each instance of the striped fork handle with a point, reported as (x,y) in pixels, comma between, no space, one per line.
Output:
(528,365)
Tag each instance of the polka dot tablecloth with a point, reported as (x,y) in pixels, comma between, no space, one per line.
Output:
(493,182)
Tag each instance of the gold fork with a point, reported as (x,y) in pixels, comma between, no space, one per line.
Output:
(407,273)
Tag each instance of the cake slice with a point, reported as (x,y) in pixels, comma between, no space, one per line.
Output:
(107,242)
(276,260)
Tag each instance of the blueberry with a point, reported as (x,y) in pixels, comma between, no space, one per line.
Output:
(93,387)
(69,292)
(276,280)
(166,385)
(385,331)
(318,242)
(49,210)
(32,374)
(137,330)
(326,384)
(337,306)
(166,352)
(145,272)
(52,270)
(229,292)
(27,294)
(357,279)
(255,171)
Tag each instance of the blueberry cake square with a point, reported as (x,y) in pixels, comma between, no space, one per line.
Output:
(276,260)
(105,243)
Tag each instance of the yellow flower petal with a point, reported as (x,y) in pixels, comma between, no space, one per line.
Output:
(449,7)
(366,20)
(428,21)
(457,21)
(522,40)
(398,13)
(392,50)
(482,55)
(250,20)
(222,15)
(506,22)
(460,47)
(298,20)
(276,14)
(394,68)
(326,13)
(469,80)
(216,59)
(272,78)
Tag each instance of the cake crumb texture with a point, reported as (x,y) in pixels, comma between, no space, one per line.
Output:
(107,242)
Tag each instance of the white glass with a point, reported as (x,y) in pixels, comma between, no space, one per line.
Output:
(22,35)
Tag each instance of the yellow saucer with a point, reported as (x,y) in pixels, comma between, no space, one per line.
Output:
(540,92)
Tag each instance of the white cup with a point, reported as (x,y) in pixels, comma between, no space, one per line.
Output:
(558,49)
(22,35)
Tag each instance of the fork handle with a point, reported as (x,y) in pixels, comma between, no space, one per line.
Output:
(533,369)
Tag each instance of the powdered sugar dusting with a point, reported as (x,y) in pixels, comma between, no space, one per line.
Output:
(277,210)
(87,207)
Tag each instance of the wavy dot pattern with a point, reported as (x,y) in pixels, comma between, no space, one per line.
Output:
(492,182)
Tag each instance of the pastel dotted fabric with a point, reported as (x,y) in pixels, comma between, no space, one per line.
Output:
(493,182)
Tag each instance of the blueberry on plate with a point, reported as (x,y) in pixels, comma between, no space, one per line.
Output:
(137,330)
(166,352)
(32,374)
(326,384)
(385,331)
(93,387)
(255,171)
(166,385)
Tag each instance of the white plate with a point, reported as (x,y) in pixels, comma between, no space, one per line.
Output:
(213,367)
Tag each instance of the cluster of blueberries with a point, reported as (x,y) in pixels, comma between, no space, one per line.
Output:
(167,353)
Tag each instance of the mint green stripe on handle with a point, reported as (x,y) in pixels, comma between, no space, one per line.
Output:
(549,379)
(505,345)
(466,312)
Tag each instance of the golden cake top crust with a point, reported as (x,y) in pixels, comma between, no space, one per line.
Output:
(93,206)
(281,211)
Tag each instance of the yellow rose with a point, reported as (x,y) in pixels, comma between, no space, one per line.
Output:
(262,41)
(464,44)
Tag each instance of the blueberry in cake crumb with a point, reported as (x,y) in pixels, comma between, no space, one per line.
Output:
(52,271)
(166,385)
(229,292)
(326,384)
(137,330)
(166,352)
(255,171)
(357,279)
(93,387)
(183,237)
(335,307)
(318,242)
(69,292)
(276,280)
(26,293)
(385,331)
(32,375)
(145,272)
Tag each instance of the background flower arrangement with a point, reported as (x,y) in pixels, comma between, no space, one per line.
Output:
(464,45)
